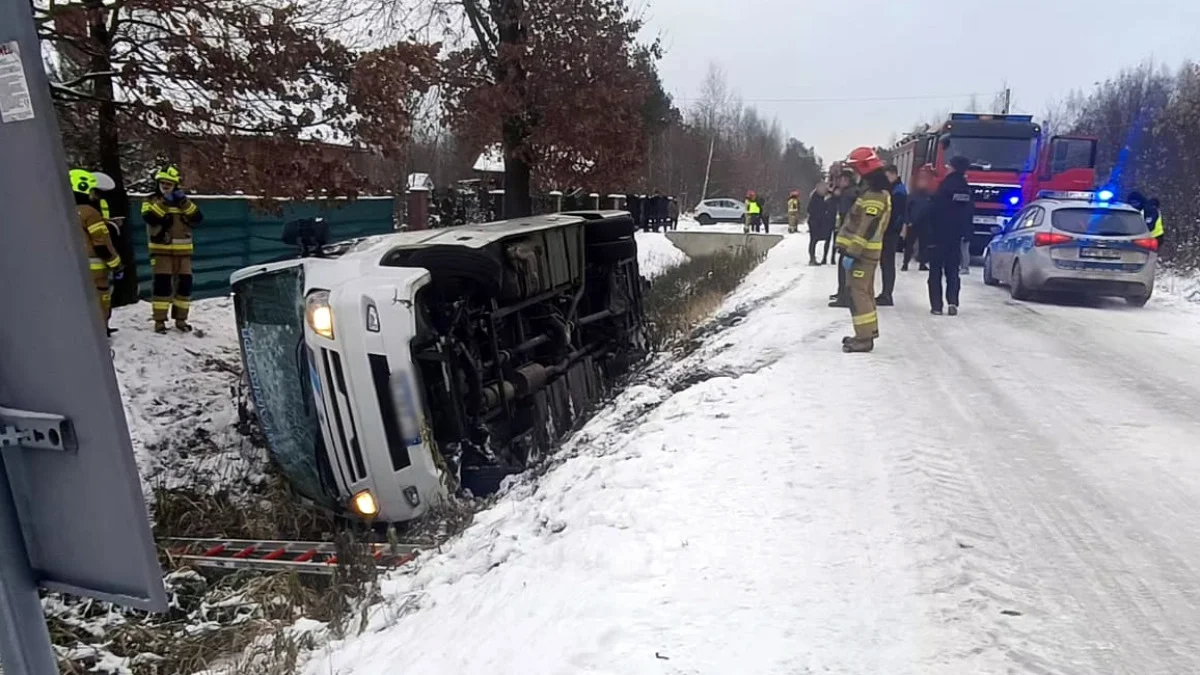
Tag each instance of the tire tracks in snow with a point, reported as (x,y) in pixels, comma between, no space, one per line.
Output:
(1041,538)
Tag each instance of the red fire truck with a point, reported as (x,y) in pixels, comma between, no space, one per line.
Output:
(1010,163)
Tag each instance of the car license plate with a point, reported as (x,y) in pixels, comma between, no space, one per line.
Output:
(1102,253)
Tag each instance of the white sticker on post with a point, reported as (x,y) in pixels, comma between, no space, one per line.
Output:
(15,104)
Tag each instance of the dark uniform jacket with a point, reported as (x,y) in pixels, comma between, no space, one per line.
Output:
(822,213)
(899,212)
(952,213)
(919,211)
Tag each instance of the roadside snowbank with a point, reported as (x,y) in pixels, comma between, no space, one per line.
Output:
(180,394)
(1174,287)
(656,254)
(656,546)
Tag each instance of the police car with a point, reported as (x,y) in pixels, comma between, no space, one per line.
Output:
(1081,242)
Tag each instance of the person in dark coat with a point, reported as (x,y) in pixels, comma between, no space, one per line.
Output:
(919,201)
(845,194)
(953,210)
(891,236)
(821,214)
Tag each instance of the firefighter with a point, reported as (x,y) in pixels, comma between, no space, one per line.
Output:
(170,217)
(103,260)
(793,212)
(860,241)
(753,211)
(950,224)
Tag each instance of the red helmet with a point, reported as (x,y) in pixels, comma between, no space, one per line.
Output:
(795,194)
(864,160)
(750,194)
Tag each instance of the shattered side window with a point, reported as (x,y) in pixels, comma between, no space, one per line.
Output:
(270,313)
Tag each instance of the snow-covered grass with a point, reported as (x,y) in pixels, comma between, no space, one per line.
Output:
(181,392)
(1175,287)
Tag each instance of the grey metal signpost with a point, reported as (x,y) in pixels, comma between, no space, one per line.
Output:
(72,515)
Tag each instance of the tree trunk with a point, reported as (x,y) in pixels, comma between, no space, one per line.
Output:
(515,127)
(517,183)
(108,142)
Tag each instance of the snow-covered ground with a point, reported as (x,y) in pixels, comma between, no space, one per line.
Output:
(1012,490)
(180,399)
(656,254)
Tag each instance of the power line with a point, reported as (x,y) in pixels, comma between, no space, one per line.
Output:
(849,99)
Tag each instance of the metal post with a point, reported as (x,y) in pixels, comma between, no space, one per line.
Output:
(28,147)
(24,641)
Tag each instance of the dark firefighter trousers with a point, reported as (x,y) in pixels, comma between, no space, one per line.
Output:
(860,283)
(944,262)
(172,286)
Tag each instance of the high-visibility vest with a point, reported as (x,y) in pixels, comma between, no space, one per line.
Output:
(104,212)
(1158,230)
(752,207)
(793,205)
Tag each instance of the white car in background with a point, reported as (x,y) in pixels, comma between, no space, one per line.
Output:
(720,210)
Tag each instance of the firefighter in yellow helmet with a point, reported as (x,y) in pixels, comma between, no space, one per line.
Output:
(793,212)
(103,260)
(170,217)
(860,241)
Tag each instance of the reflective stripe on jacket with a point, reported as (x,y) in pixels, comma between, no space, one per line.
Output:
(861,234)
(102,255)
(793,206)
(169,227)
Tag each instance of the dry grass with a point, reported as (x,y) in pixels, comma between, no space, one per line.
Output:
(683,296)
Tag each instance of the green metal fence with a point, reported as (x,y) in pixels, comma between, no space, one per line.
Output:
(238,232)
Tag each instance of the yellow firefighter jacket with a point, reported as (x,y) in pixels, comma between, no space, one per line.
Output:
(861,233)
(169,226)
(793,207)
(102,255)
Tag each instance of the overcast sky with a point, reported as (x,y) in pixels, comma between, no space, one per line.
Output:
(898,49)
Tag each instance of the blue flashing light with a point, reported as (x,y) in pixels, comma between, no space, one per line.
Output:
(1014,200)
(1105,195)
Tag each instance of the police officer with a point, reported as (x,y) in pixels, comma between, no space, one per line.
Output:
(950,223)
(860,241)
(1152,214)
(170,217)
(103,259)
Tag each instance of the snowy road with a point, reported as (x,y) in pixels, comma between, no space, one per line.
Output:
(1013,490)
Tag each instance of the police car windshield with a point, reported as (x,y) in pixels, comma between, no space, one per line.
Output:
(993,154)
(1099,222)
